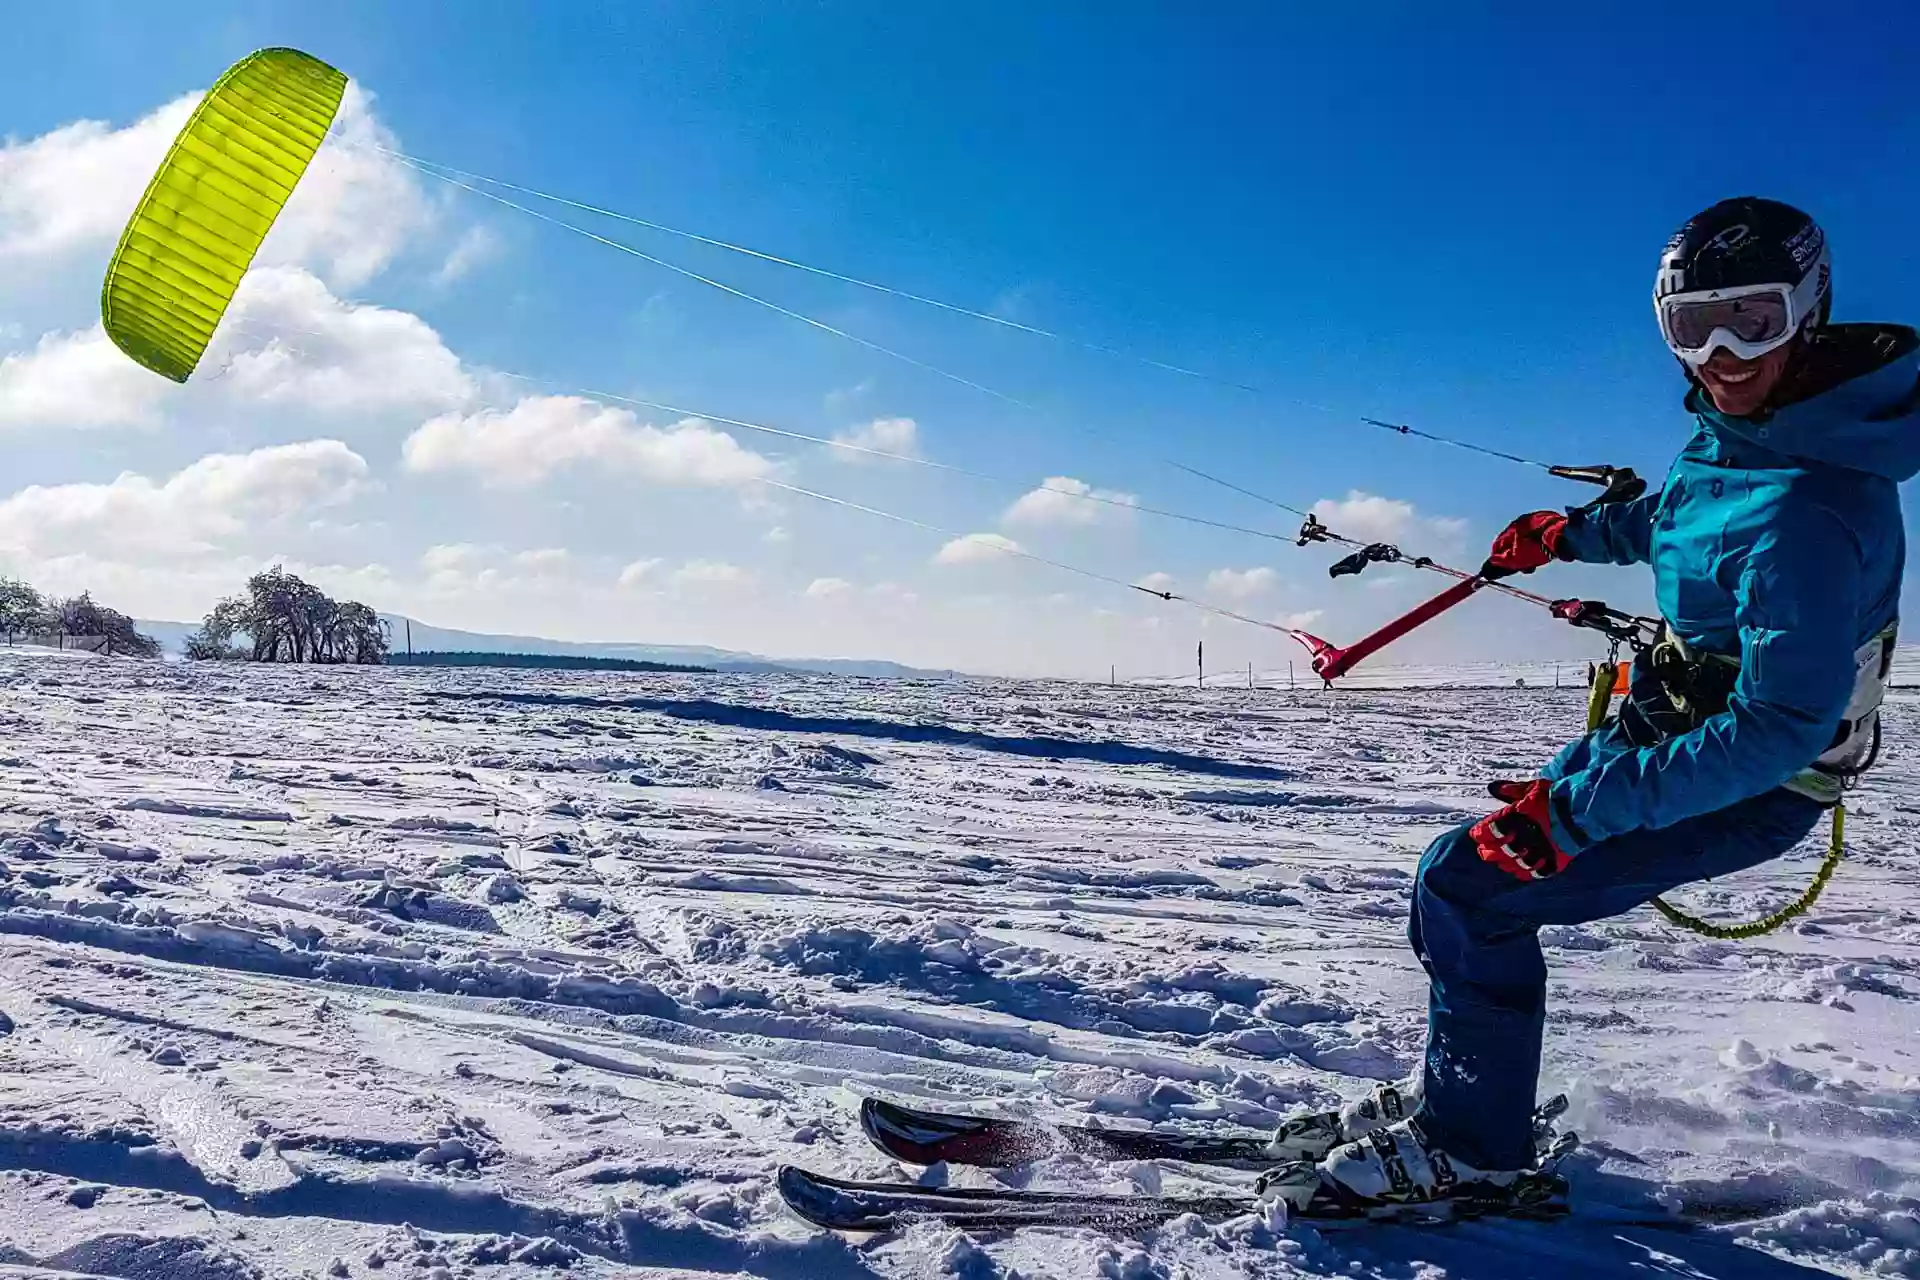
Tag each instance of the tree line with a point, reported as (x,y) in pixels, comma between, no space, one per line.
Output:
(278,618)
(24,611)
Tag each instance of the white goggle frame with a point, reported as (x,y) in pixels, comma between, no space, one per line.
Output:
(1801,300)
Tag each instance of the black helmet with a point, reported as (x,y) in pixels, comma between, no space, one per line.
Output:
(1722,257)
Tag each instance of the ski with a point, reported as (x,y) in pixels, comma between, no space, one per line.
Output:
(924,1137)
(842,1205)
(931,1137)
(839,1204)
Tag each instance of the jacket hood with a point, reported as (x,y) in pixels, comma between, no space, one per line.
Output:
(1861,412)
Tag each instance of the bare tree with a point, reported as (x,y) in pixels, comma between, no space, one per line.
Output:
(214,640)
(287,620)
(21,608)
(81,616)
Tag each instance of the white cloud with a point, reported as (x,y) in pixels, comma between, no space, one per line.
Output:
(897,436)
(286,341)
(289,340)
(828,588)
(369,583)
(844,399)
(463,570)
(1158,582)
(222,498)
(894,593)
(1242,584)
(976,548)
(637,572)
(1368,517)
(1063,500)
(544,561)
(777,536)
(476,247)
(76,187)
(543,434)
(73,189)
(711,573)
(1300,621)
(355,210)
(77,381)
(272,482)
(448,557)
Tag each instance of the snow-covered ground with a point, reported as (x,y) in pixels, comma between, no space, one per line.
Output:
(501,974)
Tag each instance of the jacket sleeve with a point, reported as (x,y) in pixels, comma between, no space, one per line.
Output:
(1618,534)
(1798,609)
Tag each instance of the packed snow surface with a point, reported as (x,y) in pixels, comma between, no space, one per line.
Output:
(434,973)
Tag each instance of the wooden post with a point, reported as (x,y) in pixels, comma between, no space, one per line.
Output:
(1249,675)
(1113,677)
(1289,673)
(1200,664)
(409,639)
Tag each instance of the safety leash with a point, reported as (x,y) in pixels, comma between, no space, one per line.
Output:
(1605,677)
(1836,849)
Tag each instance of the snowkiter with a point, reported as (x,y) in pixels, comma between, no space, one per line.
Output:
(1777,550)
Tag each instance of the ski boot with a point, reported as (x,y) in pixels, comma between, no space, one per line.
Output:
(1314,1137)
(1397,1171)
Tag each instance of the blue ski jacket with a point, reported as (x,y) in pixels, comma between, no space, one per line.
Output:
(1778,540)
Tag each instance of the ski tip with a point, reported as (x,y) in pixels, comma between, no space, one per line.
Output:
(891,1128)
(811,1198)
(878,1113)
(929,1138)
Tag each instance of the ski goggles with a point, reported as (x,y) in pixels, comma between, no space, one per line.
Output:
(1748,321)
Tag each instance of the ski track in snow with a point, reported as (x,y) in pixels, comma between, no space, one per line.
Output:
(504,974)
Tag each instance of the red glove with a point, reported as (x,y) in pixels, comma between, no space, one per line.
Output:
(1526,544)
(1519,838)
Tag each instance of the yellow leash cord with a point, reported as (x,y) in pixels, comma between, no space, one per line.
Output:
(1598,703)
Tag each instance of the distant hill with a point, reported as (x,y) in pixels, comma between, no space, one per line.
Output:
(173,635)
(536,662)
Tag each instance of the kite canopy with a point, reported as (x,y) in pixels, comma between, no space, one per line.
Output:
(224,181)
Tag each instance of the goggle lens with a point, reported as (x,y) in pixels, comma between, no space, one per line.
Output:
(1754,318)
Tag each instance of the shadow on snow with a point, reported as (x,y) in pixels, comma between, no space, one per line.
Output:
(706,711)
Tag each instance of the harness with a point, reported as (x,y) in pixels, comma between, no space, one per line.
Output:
(1675,690)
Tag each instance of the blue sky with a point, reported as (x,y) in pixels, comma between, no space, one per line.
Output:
(1449,219)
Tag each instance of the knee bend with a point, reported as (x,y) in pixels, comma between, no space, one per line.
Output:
(1441,865)
(1439,868)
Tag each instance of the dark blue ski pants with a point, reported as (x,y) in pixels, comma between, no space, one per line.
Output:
(1475,929)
